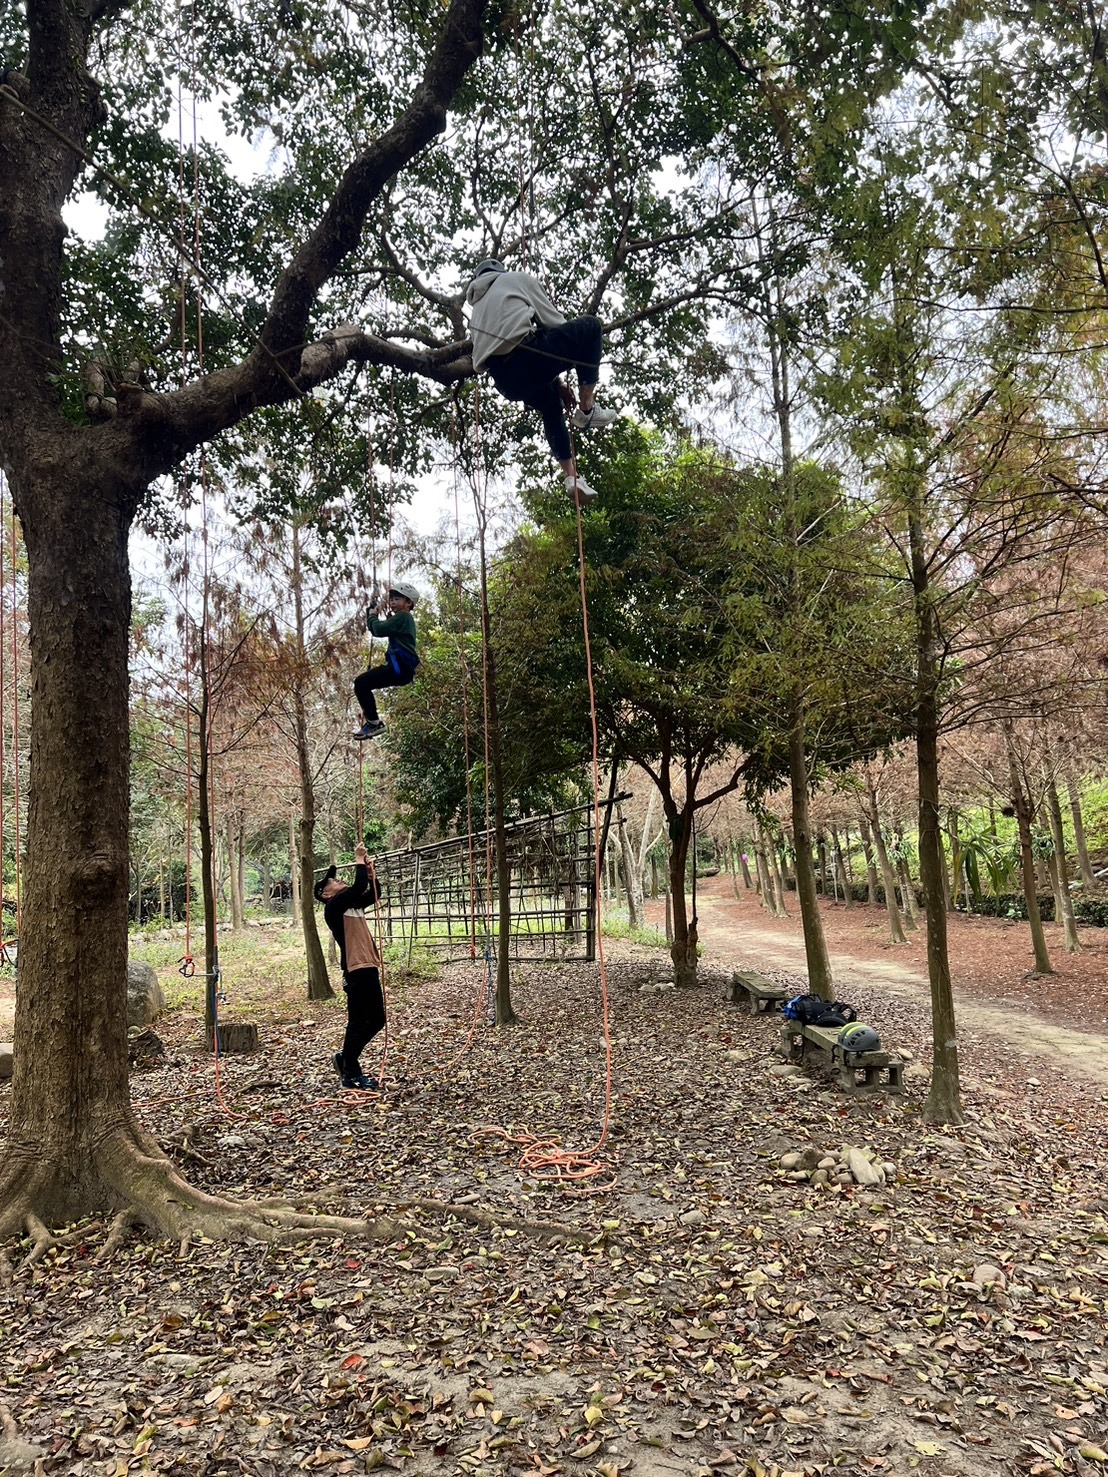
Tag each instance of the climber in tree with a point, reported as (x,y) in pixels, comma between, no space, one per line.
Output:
(526,345)
(401,660)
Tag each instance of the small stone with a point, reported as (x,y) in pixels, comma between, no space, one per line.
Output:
(986,1275)
(821,1177)
(863,1172)
(812,1232)
(784,1069)
(692,1217)
(789,1161)
(798,1176)
(442,1274)
(827,1162)
(905,1055)
(17,1455)
(231,1141)
(735,1056)
(916,1072)
(1033,1082)
(801,1084)
(890,1169)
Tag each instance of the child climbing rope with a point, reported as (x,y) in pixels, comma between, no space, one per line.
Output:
(343,912)
(526,344)
(401,661)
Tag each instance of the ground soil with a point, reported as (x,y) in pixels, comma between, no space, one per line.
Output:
(718,1316)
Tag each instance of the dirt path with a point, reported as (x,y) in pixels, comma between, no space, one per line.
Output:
(731,939)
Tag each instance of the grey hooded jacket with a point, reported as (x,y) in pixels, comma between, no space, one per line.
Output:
(504,307)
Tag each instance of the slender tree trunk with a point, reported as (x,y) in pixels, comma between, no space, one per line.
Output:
(505,1014)
(776,878)
(294,870)
(866,833)
(748,881)
(1083,862)
(842,866)
(1063,903)
(765,873)
(683,947)
(907,892)
(631,880)
(815,944)
(1022,805)
(319,984)
(888,877)
(234,877)
(207,853)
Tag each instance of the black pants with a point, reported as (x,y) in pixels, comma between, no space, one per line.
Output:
(366,684)
(530,373)
(365,1012)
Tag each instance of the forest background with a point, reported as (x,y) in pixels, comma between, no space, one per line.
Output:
(867,243)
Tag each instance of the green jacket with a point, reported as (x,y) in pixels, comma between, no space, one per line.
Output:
(399,628)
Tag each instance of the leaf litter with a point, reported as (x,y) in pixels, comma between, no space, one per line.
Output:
(696,1311)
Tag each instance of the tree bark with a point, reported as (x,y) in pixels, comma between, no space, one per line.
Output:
(319,984)
(1088,878)
(1059,872)
(820,981)
(888,877)
(842,866)
(294,870)
(73,1145)
(944,1098)
(867,851)
(631,878)
(683,948)
(505,1014)
(1022,804)
(234,872)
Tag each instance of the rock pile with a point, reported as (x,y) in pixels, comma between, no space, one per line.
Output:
(846,1165)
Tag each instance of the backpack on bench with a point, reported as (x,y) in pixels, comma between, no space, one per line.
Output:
(811,1010)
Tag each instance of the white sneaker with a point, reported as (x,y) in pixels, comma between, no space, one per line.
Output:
(596,419)
(577,487)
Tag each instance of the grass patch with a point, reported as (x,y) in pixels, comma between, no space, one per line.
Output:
(617,925)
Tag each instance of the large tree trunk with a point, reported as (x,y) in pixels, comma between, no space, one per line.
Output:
(815,944)
(73,1146)
(682,949)
(1022,805)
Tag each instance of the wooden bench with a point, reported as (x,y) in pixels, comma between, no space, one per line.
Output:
(764,996)
(798,1040)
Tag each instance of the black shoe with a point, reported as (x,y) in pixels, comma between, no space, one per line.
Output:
(360,1081)
(369,729)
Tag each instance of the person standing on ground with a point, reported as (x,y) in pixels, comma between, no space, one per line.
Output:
(344,914)
(526,345)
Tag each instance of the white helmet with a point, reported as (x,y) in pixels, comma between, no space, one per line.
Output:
(409,592)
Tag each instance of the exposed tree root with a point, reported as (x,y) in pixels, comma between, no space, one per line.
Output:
(542,1230)
(141,1186)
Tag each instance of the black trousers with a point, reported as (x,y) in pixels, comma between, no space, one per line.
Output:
(365,1012)
(367,683)
(530,373)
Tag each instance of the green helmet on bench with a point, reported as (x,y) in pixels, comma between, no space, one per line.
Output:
(857,1036)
